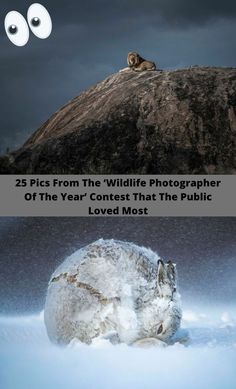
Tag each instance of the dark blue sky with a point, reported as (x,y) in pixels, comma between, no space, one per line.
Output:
(90,40)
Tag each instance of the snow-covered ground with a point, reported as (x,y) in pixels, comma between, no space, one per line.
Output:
(29,361)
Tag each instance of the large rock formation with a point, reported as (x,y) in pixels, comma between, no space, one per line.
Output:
(164,122)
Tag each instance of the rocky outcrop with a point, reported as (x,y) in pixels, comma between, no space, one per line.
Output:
(165,122)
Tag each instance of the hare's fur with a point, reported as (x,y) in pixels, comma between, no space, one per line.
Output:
(115,290)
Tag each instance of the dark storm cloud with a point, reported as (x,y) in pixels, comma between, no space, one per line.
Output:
(91,39)
(105,11)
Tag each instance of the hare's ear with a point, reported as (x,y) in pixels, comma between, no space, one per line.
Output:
(171,272)
(161,272)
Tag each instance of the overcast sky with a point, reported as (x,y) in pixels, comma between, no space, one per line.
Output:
(90,40)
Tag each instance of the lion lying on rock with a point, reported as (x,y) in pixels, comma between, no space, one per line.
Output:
(138,64)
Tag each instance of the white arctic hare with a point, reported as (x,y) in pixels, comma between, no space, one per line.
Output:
(115,290)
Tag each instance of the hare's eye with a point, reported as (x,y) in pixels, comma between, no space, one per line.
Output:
(16,28)
(39,20)
(160,329)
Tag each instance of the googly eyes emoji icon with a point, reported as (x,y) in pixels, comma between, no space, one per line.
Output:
(16,28)
(39,22)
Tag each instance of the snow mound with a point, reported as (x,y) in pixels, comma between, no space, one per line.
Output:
(29,360)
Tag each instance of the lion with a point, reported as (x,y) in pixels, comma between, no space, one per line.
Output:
(138,64)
